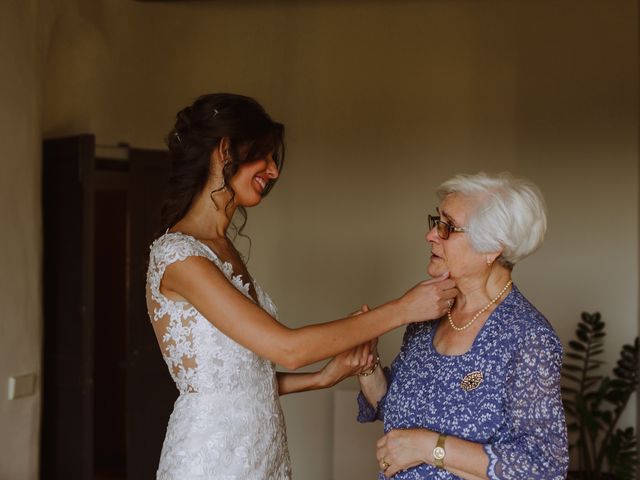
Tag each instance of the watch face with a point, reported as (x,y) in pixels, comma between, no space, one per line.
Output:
(438,453)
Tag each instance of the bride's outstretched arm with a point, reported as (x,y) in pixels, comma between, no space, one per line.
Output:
(203,285)
(343,365)
(374,384)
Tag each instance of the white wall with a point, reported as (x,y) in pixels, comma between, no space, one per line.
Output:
(382,102)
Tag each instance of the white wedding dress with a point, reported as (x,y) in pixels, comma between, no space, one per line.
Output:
(227,423)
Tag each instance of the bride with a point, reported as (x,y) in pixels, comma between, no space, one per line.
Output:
(217,329)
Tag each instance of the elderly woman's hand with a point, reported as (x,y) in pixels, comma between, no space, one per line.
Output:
(402,449)
(430,299)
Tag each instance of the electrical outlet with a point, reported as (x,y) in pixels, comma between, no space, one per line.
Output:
(22,385)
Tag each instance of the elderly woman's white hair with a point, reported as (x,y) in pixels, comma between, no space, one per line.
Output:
(510,214)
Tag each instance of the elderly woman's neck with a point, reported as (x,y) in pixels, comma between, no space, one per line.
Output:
(476,291)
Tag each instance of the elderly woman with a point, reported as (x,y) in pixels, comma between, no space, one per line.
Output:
(476,394)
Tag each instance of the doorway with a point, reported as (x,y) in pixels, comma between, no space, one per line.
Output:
(110,315)
(107,394)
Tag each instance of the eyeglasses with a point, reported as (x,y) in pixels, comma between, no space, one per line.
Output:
(444,229)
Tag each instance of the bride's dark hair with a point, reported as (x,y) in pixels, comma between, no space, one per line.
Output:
(197,132)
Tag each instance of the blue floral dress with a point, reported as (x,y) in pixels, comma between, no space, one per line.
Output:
(513,406)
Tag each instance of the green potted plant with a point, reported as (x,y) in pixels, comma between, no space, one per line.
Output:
(594,404)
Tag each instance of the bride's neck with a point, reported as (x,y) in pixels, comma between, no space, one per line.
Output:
(204,220)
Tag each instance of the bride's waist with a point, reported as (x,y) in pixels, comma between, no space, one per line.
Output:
(222,402)
(231,394)
(206,381)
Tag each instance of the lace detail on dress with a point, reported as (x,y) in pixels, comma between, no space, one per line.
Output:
(227,422)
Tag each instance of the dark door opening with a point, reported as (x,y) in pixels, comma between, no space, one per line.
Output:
(110,330)
(107,394)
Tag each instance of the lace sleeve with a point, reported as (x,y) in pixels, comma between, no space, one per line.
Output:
(168,249)
(535,414)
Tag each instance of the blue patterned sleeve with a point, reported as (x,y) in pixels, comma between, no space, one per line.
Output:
(366,411)
(370,413)
(537,449)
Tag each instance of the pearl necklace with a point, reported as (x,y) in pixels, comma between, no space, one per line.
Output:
(475,317)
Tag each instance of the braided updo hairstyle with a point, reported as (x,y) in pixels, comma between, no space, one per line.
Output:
(197,132)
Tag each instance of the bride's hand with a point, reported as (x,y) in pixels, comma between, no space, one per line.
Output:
(428,300)
(351,362)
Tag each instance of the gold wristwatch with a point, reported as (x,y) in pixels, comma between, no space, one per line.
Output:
(439,452)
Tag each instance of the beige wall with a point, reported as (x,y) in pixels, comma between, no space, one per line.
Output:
(382,102)
(21,52)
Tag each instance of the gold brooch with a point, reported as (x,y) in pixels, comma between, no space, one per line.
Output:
(471,381)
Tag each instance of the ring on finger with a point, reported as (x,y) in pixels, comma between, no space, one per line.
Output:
(450,303)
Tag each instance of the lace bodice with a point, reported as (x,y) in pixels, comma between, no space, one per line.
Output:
(200,357)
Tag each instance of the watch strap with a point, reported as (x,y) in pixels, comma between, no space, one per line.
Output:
(439,451)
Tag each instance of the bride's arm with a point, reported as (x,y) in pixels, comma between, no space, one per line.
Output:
(344,365)
(373,385)
(199,282)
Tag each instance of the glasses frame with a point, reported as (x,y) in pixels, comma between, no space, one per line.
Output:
(447,229)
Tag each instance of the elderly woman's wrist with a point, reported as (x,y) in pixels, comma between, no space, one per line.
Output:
(371,370)
(429,444)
